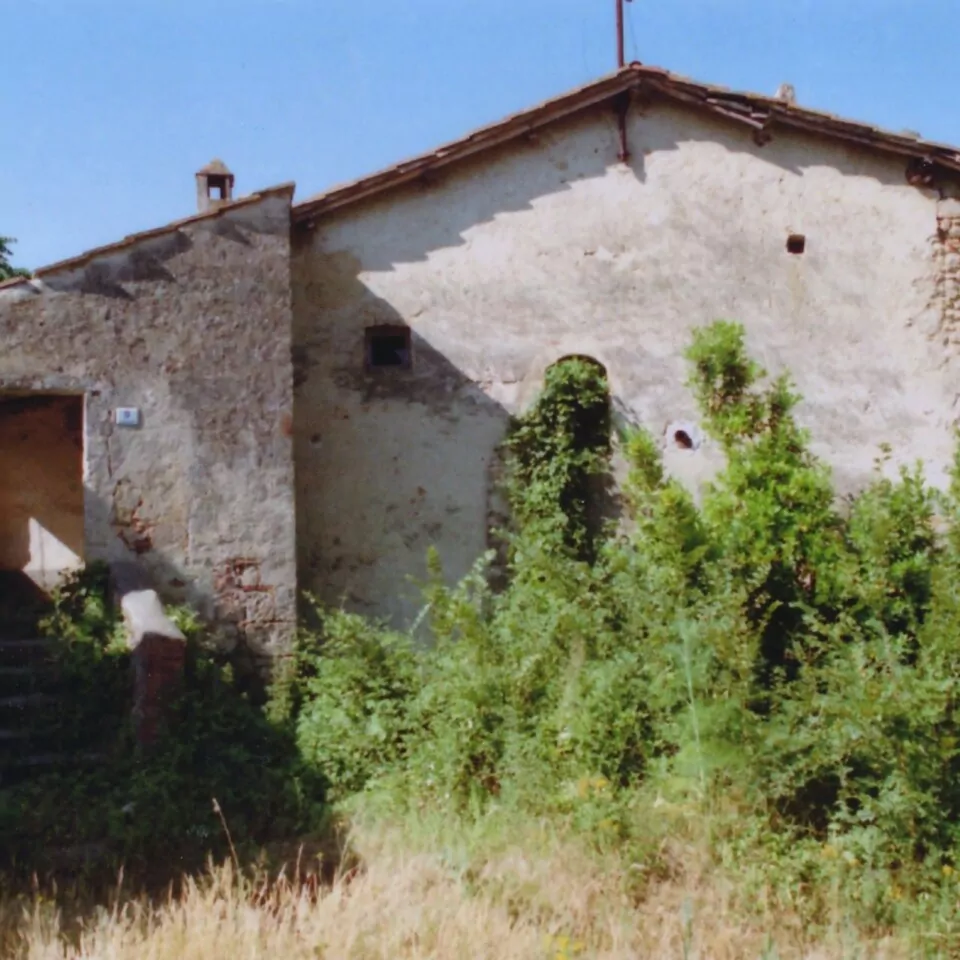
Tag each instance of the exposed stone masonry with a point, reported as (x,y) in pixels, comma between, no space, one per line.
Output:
(947,260)
(191,328)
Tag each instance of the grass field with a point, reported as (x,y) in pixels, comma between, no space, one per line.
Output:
(439,891)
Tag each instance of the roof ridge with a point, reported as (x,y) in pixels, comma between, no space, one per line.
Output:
(719,100)
(133,238)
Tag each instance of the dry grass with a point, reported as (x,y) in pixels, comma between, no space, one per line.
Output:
(545,898)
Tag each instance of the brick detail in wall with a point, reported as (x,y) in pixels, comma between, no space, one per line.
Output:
(158,664)
(245,603)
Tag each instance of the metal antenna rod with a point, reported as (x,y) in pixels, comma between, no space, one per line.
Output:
(621,52)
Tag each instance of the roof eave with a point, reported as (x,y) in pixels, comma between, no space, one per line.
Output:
(764,113)
(134,238)
(485,138)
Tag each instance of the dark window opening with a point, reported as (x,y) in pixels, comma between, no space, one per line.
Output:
(796,243)
(683,439)
(920,172)
(388,347)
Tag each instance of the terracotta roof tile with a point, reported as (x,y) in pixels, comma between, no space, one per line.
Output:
(755,110)
(135,238)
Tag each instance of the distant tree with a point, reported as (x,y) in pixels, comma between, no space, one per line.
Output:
(7,269)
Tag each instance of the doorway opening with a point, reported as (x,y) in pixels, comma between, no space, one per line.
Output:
(41,501)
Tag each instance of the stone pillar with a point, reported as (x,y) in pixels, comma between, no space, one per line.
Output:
(159,654)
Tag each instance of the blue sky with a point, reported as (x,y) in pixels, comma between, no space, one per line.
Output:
(111,106)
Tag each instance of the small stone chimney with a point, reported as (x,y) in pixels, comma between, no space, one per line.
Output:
(214,186)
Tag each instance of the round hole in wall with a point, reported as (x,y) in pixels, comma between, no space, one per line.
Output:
(683,435)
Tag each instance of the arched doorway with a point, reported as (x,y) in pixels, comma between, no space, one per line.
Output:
(559,458)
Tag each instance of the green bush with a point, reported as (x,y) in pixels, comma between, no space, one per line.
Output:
(768,644)
(356,684)
(92,695)
(784,663)
(148,807)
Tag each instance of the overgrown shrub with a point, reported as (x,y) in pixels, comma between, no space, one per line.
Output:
(768,644)
(356,684)
(782,663)
(90,688)
(148,808)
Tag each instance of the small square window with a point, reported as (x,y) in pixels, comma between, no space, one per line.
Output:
(796,243)
(388,347)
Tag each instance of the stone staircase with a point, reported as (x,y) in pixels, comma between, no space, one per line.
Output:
(26,680)
(39,723)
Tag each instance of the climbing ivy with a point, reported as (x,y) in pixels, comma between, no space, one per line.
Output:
(557,456)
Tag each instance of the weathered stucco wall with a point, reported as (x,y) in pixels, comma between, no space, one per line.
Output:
(551,247)
(192,326)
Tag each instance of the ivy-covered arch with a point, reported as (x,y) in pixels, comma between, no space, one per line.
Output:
(555,453)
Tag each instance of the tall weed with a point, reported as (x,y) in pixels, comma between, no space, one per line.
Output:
(770,648)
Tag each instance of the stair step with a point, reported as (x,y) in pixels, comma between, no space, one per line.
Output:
(24,653)
(49,759)
(24,645)
(25,700)
(19,671)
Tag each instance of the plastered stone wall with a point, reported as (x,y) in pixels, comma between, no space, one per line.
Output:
(191,325)
(551,247)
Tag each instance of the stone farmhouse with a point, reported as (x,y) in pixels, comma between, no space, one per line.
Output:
(274,396)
